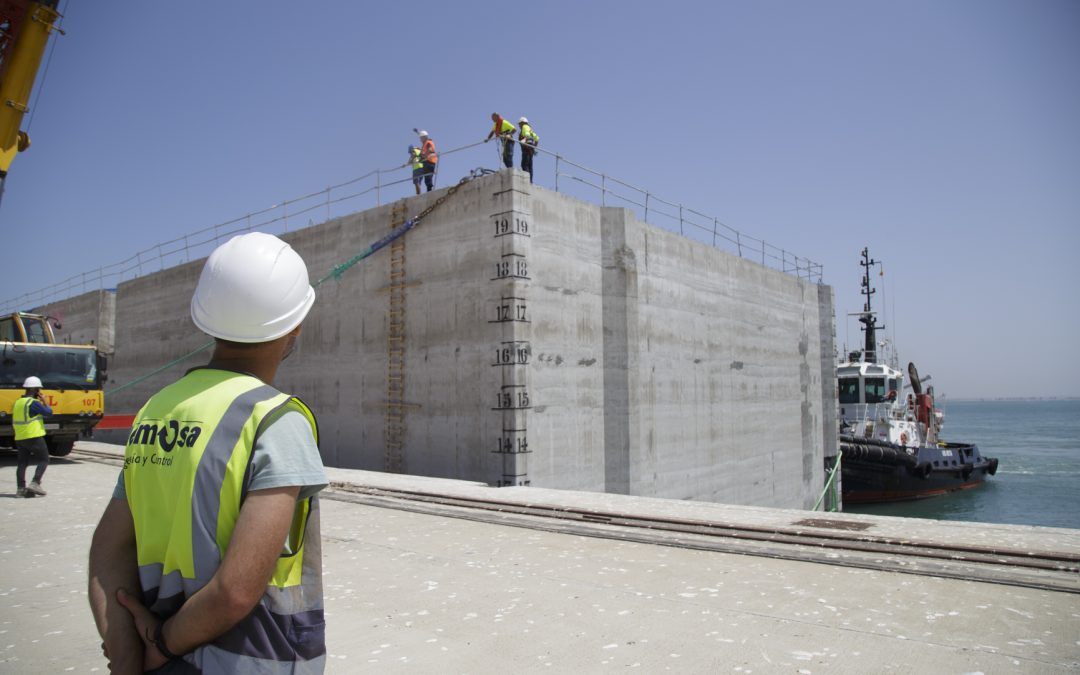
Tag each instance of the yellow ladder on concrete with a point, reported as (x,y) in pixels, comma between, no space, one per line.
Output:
(395,350)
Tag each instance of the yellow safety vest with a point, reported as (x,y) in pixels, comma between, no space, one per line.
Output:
(505,128)
(417,164)
(185,474)
(528,135)
(26,426)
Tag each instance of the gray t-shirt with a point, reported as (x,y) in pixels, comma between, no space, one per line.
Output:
(285,454)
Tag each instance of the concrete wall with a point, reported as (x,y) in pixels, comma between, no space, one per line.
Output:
(546,341)
(86,319)
(725,388)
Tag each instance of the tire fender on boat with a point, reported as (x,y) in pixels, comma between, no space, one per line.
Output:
(992,468)
(922,470)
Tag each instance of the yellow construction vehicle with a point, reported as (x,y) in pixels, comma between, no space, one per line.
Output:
(25,27)
(72,375)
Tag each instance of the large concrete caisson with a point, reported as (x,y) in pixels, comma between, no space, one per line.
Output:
(521,336)
(86,319)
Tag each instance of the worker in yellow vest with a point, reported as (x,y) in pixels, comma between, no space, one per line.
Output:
(28,417)
(529,140)
(208,557)
(504,129)
(417,167)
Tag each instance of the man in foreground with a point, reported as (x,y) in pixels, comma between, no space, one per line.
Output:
(208,557)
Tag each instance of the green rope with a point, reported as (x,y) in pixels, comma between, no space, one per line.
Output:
(168,365)
(832,479)
(335,274)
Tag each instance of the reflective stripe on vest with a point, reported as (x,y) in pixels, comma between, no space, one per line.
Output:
(186,473)
(27,426)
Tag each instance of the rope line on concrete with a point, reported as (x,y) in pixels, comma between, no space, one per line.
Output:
(335,273)
(185,247)
(829,483)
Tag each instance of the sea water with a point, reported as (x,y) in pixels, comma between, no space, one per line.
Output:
(1038,479)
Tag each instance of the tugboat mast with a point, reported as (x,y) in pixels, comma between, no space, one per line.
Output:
(868,320)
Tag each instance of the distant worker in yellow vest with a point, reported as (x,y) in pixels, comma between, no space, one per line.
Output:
(28,417)
(208,557)
(504,129)
(429,157)
(529,140)
(417,167)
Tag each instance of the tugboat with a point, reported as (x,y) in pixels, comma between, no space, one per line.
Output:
(890,437)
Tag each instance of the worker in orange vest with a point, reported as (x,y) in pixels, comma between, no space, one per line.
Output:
(430,159)
(504,129)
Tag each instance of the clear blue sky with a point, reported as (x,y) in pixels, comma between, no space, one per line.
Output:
(943,135)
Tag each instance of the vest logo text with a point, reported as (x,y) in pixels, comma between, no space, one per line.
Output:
(166,435)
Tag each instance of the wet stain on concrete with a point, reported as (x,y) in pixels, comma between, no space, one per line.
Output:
(586,362)
(737,365)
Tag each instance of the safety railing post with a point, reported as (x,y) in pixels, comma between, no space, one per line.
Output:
(814,271)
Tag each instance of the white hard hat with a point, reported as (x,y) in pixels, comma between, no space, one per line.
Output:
(253,288)
(523,120)
(32,383)
(421,133)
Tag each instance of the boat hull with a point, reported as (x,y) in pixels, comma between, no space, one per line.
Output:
(887,473)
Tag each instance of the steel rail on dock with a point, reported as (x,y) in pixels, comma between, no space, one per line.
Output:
(1047,570)
(802,540)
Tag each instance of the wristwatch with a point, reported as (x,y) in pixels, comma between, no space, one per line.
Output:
(159,642)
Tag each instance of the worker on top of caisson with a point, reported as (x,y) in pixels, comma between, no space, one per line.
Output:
(529,140)
(417,165)
(429,157)
(504,129)
(208,556)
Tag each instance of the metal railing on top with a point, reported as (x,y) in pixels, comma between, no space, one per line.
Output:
(375,186)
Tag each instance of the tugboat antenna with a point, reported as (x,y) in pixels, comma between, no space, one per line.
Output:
(868,320)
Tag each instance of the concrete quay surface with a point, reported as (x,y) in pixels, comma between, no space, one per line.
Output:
(420,579)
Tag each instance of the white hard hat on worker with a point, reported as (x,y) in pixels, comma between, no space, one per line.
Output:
(32,383)
(253,288)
